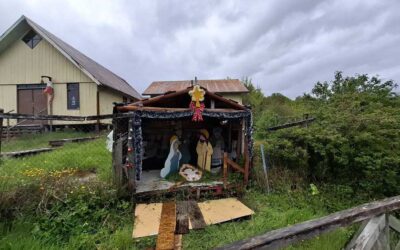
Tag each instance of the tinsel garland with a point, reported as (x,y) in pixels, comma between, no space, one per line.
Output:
(136,132)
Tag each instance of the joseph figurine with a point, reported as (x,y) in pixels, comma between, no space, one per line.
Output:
(204,151)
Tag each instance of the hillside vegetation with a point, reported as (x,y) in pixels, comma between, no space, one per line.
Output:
(348,156)
(354,142)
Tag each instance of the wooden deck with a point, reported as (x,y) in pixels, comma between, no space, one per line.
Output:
(26,152)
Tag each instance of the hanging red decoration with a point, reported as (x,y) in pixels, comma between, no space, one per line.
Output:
(197,105)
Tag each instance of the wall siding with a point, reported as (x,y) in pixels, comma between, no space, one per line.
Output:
(21,64)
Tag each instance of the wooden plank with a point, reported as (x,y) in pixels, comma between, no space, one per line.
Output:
(178,242)
(117,161)
(195,215)
(397,247)
(285,236)
(291,124)
(246,161)
(355,236)
(166,231)
(59,117)
(394,223)
(225,166)
(182,218)
(369,236)
(147,216)
(130,154)
(235,166)
(222,210)
(147,219)
(26,152)
(56,143)
(165,109)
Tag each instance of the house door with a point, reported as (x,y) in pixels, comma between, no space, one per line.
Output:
(32,101)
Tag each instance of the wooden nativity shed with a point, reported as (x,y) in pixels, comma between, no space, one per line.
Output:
(142,131)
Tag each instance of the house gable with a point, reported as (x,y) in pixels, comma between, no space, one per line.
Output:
(21,64)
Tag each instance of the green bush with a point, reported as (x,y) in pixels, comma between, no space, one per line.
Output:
(354,141)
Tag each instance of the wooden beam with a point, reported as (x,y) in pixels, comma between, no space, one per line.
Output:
(161,97)
(182,218)
(26,152)
(246,161)
(166,231)
(57,143)
(394,223)
(225,177)
(195,215)
(166,109)
(1,127)
(291,124)
(236,166)
(283,237)
(368,237)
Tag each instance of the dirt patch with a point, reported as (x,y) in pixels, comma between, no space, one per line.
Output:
(85,175)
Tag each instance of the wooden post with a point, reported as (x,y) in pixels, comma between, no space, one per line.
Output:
(1,128)
(8,129)
(97,126)
(225,178)
(246,160)
(117,155)
(130,155)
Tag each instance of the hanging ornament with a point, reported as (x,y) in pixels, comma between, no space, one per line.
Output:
(197,105)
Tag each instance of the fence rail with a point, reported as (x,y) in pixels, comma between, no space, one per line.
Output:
(283,237)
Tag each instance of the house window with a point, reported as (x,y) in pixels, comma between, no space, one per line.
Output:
(73,95)
(32,39)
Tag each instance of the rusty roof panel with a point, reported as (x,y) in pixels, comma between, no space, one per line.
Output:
(215,86)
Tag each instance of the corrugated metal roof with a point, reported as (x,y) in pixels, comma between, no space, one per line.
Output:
(215,86)
(94,70)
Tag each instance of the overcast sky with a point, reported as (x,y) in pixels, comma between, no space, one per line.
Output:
(283,46)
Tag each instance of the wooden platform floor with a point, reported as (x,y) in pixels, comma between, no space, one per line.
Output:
(151,181)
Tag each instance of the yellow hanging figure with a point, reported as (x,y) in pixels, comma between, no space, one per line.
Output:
(204,151)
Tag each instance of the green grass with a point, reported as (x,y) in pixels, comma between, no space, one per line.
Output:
(276,210)
(271,212)
(32,141)
(83,156)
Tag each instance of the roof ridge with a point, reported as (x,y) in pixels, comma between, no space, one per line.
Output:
(64,45)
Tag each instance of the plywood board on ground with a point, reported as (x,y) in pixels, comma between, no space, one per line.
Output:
(217,211)
(147,219)
(147,216)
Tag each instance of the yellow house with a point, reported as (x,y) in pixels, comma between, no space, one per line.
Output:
(30,54)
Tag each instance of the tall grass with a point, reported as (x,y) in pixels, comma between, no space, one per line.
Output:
(80,156)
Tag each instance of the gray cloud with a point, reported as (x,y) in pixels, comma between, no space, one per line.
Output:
(284,46)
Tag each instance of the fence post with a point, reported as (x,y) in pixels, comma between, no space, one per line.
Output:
(225,169)
(1,128)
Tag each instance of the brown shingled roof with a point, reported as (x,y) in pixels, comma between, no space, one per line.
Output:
(215,86)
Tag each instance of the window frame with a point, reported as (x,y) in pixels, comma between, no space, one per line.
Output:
(73,86)
(31,39)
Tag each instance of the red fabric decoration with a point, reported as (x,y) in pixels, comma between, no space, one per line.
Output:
(197,115)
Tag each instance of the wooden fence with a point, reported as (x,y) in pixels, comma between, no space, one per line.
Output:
(375,234)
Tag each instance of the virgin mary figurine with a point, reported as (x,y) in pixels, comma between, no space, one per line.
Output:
(172,163)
